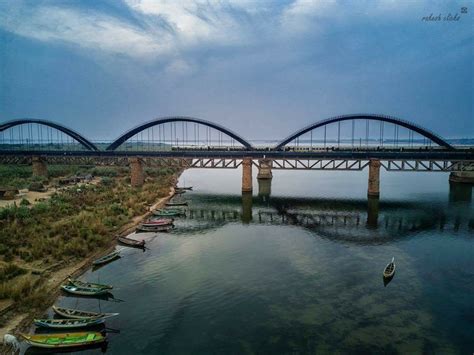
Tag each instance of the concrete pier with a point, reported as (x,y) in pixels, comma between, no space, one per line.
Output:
(462,177)
(137,173)
(247,175)
(39,166)
(265,169)
(374,178)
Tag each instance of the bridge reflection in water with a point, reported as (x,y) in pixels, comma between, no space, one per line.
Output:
(363,222)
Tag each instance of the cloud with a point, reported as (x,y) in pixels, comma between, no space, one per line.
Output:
(89,30)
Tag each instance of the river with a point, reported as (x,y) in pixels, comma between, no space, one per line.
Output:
(298,270)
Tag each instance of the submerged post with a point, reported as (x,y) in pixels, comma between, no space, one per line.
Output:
(265,169)
(247,175)
(39,166)
(136,169)
(374,178)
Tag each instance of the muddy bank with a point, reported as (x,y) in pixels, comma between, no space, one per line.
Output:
(17,321)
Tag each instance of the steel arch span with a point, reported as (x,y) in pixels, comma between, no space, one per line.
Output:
(82,140)
(381,118)
(123,138)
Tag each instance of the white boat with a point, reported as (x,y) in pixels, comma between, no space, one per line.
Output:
(389,269)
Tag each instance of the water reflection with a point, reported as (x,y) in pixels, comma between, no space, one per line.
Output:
(356,221)
(264,189)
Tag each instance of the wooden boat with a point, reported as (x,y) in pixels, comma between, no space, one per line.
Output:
(183,187)
(79,283)
(78,314)
(184,203)
(66,340)
(158,222)
(131,242)
(389,269)
(154,229)
(68,323)
(84,291)
(107,258)
(168,213)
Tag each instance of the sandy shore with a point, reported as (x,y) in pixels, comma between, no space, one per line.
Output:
(18,322)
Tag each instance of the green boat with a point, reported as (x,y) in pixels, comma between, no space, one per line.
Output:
(67,323)
(84,291)
(79,283)
(107,258)
(66,340)
(168,213)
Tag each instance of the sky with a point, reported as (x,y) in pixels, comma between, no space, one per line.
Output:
(261,68)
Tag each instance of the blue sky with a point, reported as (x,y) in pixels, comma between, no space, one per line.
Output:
(263,69)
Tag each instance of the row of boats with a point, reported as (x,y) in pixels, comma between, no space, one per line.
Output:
(75,319)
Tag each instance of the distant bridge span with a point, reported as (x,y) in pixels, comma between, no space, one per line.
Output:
(381,118)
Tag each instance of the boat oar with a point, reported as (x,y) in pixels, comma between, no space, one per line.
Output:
(112,330)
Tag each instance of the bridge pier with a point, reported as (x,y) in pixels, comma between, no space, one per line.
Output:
(461,177)
(39,166)
(374,178)
(247,175)
(265,169)
(137,177)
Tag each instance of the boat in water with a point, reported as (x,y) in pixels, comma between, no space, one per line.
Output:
(168,212)
(131,242)
(183,187)
(78,314)
(179,203)
(84,291)
(154,229)
(63,340)
(389,270)
(68,323)
(79,283)
(107,258)
(158,222)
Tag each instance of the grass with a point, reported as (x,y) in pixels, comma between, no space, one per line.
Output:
(70,225)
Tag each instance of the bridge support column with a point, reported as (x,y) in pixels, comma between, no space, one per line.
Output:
(137,174)
(247,175)
(39,166)
(462,177)
(265,169)
(374,178)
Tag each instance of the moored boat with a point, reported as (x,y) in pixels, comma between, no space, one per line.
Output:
(78,314)
(107,258)
(168,213)
(183,187)
(68,323)
(389,270)
(158,222)
(79,283)
(66,340)
(131,242)
(171,204)
(154,229)
(84,291)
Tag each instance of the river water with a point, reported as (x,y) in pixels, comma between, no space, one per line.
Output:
(298,269)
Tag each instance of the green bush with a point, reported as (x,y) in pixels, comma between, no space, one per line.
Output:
(24,202)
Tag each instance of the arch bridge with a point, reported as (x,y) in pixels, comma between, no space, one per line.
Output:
(348,142)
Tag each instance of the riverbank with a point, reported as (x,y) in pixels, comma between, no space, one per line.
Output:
(17,315)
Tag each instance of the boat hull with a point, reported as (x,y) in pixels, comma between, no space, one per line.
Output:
(78,314)
(66,340)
